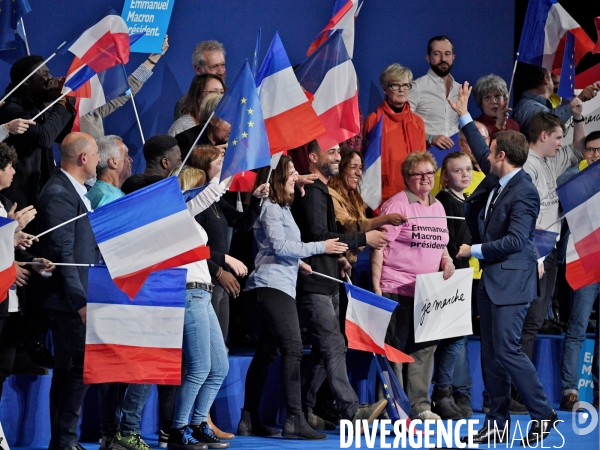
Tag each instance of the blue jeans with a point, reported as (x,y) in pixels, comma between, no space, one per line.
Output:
(446,355)
(582,305)
(120,408)
(463,382)
(206,360)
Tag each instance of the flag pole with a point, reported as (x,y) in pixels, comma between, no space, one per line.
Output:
(512,78)
(60,225)
(195,142)
(51,105)
(437,217)
(327,276)
(256,52)
(30,75)
(35,263)
(137,118)
(274,161)
(554,223)
(25,36)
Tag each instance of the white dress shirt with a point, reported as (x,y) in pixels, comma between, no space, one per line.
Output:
(80,188)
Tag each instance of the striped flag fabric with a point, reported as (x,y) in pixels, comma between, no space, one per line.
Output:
(566,87)
(8,272)
(329,75)
(576,275)
(142,233)
(580,200)
(543,242)
(135,341)
(289,117)
(344,14)
(544,34)
(367,319)
(370,186)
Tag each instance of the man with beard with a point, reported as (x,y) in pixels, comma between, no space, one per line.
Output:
(34,146)
(430,93)
(317,297)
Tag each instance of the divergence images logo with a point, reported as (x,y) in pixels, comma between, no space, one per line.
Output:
(580,418)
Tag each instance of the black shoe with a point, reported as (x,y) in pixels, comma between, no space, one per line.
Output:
(463,401)
(488,436)
(250,425)
(568,402)
(77,446)
(296,426)
(106,442)
(163,437)
(205,435)
(442,404)
(182,439)
(369,412)
(40,355)
(540,429)
(318,423)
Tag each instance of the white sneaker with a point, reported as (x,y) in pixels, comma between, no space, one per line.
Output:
(427,415)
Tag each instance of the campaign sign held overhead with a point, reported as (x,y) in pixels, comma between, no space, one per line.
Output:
(151,17)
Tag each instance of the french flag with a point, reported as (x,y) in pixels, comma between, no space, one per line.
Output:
(344,14)
(367,319)
(135,341)
(8,272)
(580,200)
(145,231)
(370,186)
(544,34)
(329,75)
(103,44)
(289,117)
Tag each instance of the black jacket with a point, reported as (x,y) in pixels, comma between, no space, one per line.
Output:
(315,217)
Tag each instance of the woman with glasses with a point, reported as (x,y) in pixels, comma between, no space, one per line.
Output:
(415,247)
(403,131)
(201,86)
(491,96)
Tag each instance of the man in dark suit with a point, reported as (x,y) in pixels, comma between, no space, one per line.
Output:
(501,215)
(63,198)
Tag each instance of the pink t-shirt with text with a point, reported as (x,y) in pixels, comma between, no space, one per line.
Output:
(415,247)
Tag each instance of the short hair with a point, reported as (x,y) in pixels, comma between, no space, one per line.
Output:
(208,106)
(436,39)
(355,203)
(514,145)
(190,177)
(533,76)
(107,148)
(74,147)
(544,121)
(394,72)
(314,147)
(157,147)
(202,156)
(444,170)
(8,155)
(205,46)
(279,176)
(590,137)
(191,105)
(414,159)
(21,68)
(487,84)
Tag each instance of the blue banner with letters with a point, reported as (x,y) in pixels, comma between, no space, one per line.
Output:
(585,383)
(151,17)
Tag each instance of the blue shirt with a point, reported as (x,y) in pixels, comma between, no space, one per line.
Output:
(279,250)
(103,193)
(531,104)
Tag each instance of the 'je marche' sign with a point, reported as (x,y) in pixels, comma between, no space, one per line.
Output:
(150,17)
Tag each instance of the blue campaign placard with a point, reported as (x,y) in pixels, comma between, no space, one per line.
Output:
(151,17)
(586,359)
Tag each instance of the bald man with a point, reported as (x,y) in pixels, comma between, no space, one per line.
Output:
(63,198)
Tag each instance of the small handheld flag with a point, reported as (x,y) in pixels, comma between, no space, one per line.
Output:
(566,87)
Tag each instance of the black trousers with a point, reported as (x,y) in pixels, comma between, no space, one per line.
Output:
(10,334)
(67,390)
(539,307)
(278,329)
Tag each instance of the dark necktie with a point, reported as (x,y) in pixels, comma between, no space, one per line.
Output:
(497,190)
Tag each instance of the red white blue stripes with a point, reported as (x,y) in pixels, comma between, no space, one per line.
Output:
(8,272)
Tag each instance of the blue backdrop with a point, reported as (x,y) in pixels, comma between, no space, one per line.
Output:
(387,31)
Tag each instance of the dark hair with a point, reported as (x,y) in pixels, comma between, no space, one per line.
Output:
(279,176)
(590,137)
(202,156)
(193,98)
(357,204)
(21,68)
(438,38)
(514,145)
(8,154)
(314,147)
(544,121)
(157,147)
(533,76)
(449,157)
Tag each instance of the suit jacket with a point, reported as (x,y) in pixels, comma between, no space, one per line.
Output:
(66,290)
(509,264)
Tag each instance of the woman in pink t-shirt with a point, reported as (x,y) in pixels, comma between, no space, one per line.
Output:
(415,247)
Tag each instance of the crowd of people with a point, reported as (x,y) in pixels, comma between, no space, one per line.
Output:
(503,182)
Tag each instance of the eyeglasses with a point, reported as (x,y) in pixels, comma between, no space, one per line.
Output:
(217,91)
(493,98)
(416,176)
(400,87)
(593,150)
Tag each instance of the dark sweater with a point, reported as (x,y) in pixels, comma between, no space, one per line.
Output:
(315,216)
(457,229)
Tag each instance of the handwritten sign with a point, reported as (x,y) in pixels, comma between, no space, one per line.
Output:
(3,443)
(443,308)
(150,17)
(591,114)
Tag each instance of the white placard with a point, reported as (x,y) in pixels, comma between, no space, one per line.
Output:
(443,308)
(591,112)
(3,443)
